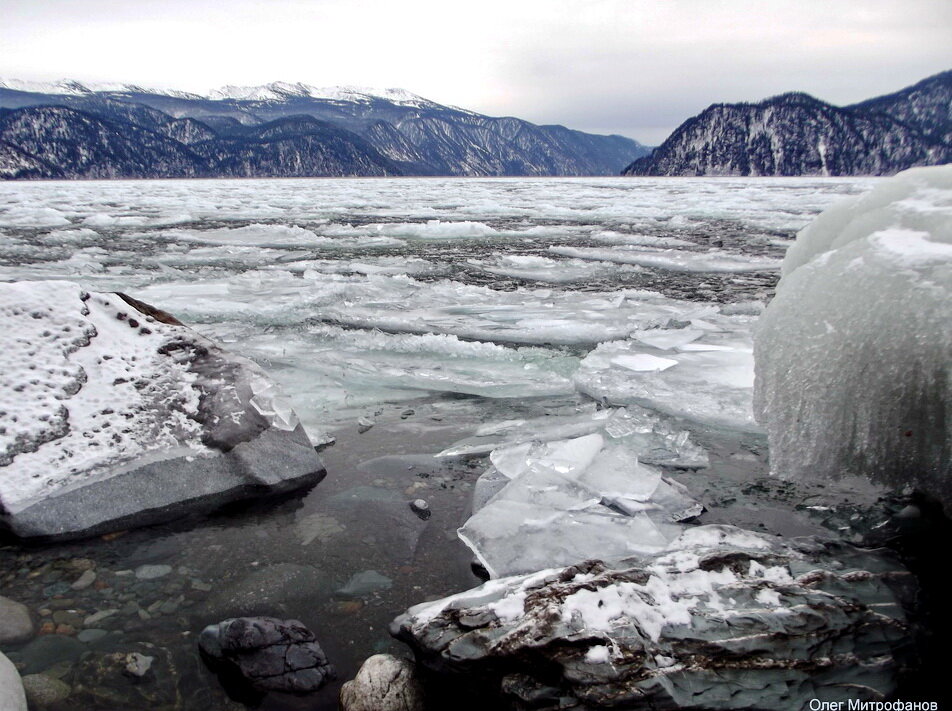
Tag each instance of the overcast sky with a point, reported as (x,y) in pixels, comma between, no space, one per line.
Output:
(634,67)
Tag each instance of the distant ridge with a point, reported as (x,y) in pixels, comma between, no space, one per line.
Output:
(797,134)
(71,129)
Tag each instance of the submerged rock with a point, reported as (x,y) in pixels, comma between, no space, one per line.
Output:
(137,665)
(113,414)
(854,354)
(16,625)
(364,584)
(141,676)
(724,618)
(43,690)
(271,588)
(47,650)
(151,572)
(421,508)
(268,653)
(384,683)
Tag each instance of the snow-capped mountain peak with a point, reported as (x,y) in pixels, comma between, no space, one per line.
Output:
(62,86)
(279,90)
(275,91)
(71,87)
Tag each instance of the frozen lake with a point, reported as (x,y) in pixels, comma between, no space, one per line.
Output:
(357,292)
(435,310)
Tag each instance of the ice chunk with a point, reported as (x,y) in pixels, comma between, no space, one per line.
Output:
(30,215)
(653,438)
(568,457)
(512,461)
(258,235)
(667,338)
(512,537)
(552,271)
(640,240)
(490,483)
(502,434)
(854,352)
(547,489)
(567,501)
(327,370)
(709,383)
(617,473)
(644,362)
(523,316)
(431,229)
(673,259)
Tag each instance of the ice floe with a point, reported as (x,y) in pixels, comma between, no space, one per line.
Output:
(701,371)
(552,271)
(673,259)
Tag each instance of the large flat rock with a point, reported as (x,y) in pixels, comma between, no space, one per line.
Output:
(113,414)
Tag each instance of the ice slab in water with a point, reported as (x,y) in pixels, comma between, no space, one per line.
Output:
(644,362)
(653,438)
(512,537)
(854,352)
(328,370)
(551,271)
(400,304)
(257,235)
(667,338)
(675,260)
(616,473)
(708,380)
(552,503)
(611,237)
(429,230)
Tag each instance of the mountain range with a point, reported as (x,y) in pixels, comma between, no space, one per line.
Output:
(72,130)
(797,134)
(68,129)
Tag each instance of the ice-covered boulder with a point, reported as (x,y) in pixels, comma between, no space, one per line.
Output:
(854,354)
(114,414)
(723,618)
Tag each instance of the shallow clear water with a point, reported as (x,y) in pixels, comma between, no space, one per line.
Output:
(430,306)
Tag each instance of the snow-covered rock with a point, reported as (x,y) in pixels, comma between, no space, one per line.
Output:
(854,354)
(723,618)
(114,414)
